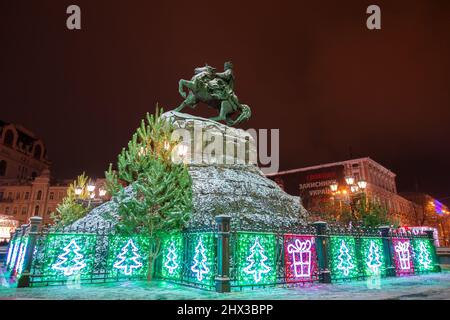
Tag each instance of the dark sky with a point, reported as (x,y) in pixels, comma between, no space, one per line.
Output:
(310,68)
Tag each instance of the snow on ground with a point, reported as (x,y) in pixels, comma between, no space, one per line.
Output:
(431,286)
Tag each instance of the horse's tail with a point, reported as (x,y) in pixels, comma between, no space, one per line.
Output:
(245,114)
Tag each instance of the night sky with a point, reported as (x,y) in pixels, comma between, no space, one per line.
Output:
(310,68)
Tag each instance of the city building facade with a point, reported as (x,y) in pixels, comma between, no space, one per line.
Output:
(23,156)
(314,185)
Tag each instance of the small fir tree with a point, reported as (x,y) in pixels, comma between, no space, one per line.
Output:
(70,209)
(158,199)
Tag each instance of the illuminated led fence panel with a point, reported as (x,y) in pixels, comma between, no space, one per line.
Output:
(172,257)
(344,263)
(10,252)
(300,258)
(201,258)
(424,257)
(15,252)
(402,256)
(21,255)
(256,258)
(68,255)
(372,256)
(128,256)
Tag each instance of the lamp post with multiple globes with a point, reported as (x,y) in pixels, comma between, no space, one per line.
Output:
(350,193)
(91,192)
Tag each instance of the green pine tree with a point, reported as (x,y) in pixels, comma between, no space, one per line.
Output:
(161,200)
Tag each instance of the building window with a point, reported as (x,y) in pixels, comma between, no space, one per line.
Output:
(9,138)
(51,196)
(24,211)
(39,195)
(3,168)
(36,210)
(15,210)
(1,196)
(10,197)
(7,210)
(27,195)
(37,152)
(18,196)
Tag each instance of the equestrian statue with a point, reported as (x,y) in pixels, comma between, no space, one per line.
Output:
(216,89)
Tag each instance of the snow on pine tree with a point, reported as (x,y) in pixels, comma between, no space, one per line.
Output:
(71,261)
(345,259)
(161,197)
(257,259)
(128,258)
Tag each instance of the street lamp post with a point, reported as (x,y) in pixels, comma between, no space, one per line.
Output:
(353,190)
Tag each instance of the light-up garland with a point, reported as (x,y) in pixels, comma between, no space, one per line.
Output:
(374,258)
(257,262)
(53,253)
(255,258)
(343,257)
(13,261)
(10,251)
(171,259)
(127,260)
(172,255)
(424,255)
(75,264)
(402,256)
(21,255)
(300,257)
(127,255)
(201,258)
(345,260)
(199,268)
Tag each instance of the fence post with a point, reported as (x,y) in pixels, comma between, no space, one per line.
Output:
(430,236)
(322,251)
(24,280)
(223,253)
(384,230)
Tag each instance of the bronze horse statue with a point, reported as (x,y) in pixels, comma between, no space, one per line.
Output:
(217,91)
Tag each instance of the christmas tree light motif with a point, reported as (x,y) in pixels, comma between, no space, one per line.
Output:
(373,258)
(71,260)
(128,258)
(21,256)
(402,250)
(257,259)
(11,249)
(171,258)
(199,267)
(424,256)
(345,259)
(302,264)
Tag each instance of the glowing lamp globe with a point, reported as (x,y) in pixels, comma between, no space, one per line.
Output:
(350,180)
